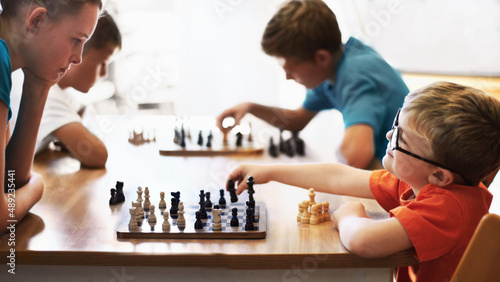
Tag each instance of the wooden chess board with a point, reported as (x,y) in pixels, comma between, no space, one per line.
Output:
(227,232)
(201,151)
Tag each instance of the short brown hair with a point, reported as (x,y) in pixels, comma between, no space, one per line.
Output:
(461,125)
(300,28)
(55,8)
(106,32)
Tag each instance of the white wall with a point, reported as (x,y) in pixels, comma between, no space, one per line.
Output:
(204,55)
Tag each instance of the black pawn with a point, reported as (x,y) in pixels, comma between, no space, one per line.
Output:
(252,206)
(251,191)
(208,202)
(182,141)
(299,144)
(209,139)
(239,139)
(200,138)
(222,200)
(119,192)
(273,149)
(290,147)
(282,143)
(198,224)
(234,219)
(249,220)
(114,199)
(232,191)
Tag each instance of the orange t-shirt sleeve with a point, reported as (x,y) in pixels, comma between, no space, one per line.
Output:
(385,189)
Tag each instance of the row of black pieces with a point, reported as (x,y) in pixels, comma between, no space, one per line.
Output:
(294,145)
(117,195)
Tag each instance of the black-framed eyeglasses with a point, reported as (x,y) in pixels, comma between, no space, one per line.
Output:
(394,145)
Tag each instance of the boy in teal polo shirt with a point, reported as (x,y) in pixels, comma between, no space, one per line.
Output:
(352,78)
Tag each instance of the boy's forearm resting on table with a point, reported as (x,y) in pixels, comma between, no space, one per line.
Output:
(21,201)
(372,238)
(324,177)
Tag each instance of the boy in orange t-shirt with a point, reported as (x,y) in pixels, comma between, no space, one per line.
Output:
(444,141)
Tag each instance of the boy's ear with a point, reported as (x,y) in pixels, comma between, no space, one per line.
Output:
(441,177)
(323,57)
(36,18)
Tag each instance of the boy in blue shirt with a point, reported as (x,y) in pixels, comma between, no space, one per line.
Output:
(305,37)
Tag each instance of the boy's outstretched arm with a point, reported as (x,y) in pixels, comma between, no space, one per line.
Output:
(293,120)
(324,177)
(82,144)
(366,237)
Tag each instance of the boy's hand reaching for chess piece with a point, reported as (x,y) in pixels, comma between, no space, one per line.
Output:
(242,172)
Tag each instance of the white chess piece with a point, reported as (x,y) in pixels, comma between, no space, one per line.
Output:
(181,221)
(152,217)
(132,225)
(162,204)
(166,223)
(217,226)
(139,194)
(147,203)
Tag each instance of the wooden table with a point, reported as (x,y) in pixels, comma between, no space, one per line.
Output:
(73,224)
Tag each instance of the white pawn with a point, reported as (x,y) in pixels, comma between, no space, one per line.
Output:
(162,204)
(326,213)
(181,221)
(217,226)
(147,203)
(132,225)
(152,217)
(314,217)
(166,224)
(321,215)
(301,211)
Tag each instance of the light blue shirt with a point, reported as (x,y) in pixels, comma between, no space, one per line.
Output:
(367,90)
(5,76)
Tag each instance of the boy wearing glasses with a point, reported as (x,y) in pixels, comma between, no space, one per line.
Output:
(444,141)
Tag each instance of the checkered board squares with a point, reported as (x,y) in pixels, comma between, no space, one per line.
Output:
(227,232)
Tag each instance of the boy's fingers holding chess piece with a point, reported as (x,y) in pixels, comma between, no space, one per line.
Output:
(241,173)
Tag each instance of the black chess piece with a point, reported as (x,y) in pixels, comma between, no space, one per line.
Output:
(174,208)
(203,211)
(198,224)
(209,139)
(239,139)
(290,147)
(252,206)
(249,220)
(251,191)
(273,149)
(119,192)
(177,135)
(114,199)
(208,202)
(282,144)
(232,191)
(222,200)
(234,219)
(200,138)
(299,144)
(182,141)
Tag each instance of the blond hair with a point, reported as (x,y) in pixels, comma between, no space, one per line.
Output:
(461,125)
(300,28)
